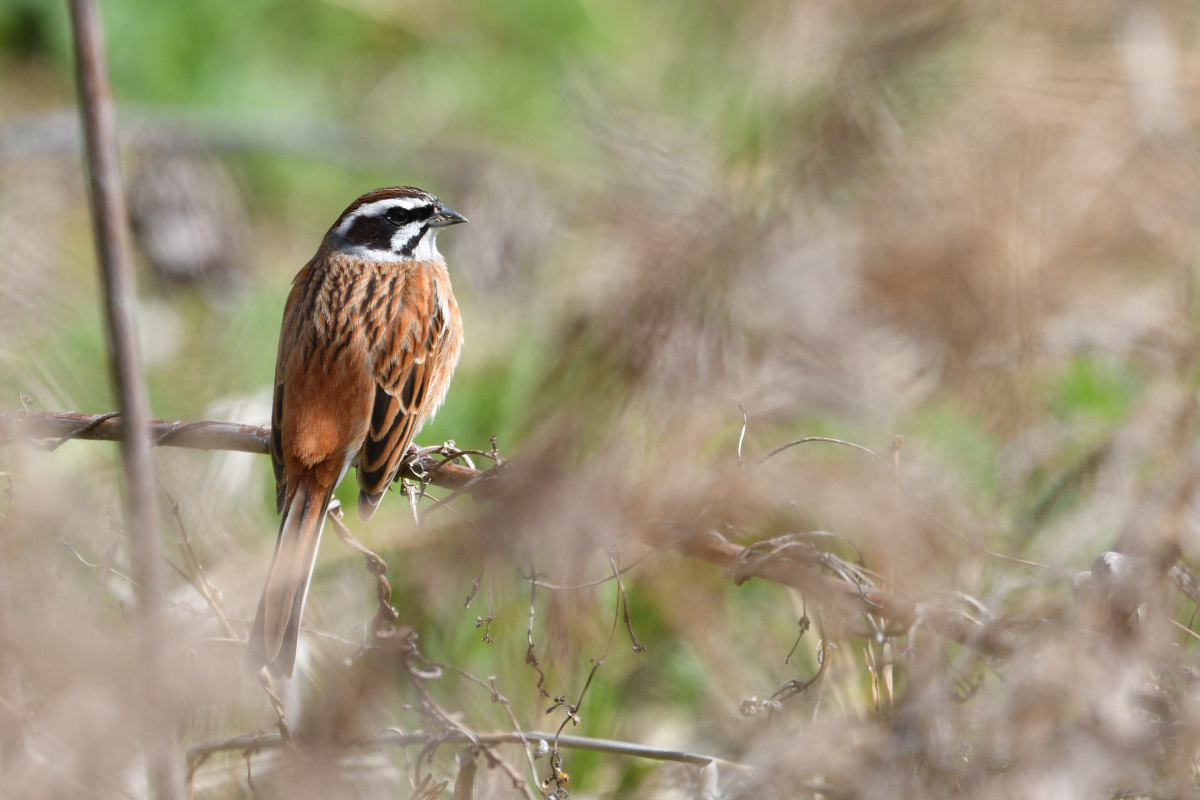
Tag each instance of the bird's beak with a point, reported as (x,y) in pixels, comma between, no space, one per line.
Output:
(443,216)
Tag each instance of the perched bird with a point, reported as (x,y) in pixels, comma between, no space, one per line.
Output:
(371,335)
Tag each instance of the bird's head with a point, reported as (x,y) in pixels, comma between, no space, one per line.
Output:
(399,223)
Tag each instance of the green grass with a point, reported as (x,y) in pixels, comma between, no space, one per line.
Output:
(1096,389)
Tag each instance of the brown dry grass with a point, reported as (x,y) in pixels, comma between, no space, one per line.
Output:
(926,218)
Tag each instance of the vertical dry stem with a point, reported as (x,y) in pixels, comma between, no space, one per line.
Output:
(109,221)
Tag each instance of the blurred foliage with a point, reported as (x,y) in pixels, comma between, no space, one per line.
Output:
(1103,390)
(969,224)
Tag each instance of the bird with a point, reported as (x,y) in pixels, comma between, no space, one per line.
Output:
(370,338)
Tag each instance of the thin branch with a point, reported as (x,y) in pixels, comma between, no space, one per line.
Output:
(62,426)
(252,743)
(742,436)
(826,439)
(1186,630)
(497,697)
(386,615)
(530,656)
(558,778)
(554,587)
(624,605)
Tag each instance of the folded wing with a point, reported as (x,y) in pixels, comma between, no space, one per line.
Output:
(402,365)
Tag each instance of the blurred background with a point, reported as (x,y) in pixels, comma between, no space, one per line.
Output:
(971,224)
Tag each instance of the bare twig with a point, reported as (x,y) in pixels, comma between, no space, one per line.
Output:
(742,436)
(624,603)
(795,687)
(36,426)
(386,615)
(558,778)
(271,741)
(104,566)
(64,426)
(1186,630)
(530,656)
(497,697)
(616,576)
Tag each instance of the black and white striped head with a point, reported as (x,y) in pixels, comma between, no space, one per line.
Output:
(398,223)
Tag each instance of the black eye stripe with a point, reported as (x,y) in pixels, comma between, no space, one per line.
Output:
(403,216)
(372,232)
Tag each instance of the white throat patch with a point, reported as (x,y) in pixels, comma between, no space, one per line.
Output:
(426,249)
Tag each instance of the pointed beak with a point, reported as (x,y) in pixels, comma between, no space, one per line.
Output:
(443,216)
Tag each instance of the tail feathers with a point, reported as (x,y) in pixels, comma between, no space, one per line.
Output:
(367,503)
(276,630)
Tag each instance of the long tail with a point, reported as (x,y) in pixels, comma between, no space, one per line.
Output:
(276,628)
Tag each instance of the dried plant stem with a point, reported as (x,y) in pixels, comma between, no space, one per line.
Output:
(271,741)
(111,238)
(714,548)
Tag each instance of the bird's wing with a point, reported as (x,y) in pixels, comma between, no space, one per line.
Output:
(290,337)
(402,365)
(277,447)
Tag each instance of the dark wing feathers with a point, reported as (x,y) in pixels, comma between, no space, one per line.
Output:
(402,369)
(393,425)
(277,450)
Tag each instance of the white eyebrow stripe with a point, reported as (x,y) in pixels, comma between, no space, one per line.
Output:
(378,208)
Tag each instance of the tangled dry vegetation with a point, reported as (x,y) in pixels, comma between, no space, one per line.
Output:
(797,508)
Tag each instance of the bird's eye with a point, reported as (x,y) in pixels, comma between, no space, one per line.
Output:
(400,216)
